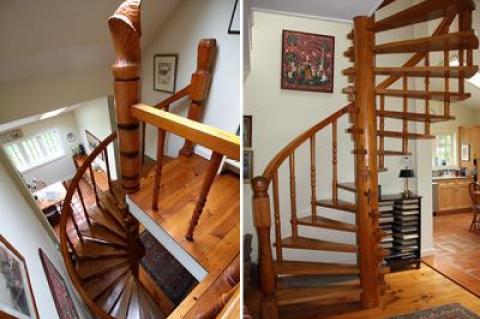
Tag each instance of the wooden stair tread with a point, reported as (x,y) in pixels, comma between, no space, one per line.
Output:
(323,222)
(108,300)
(316,244)
(108,222)
(94,268)
(451,41)
(410,136)
(149,308)
(347,186)
(339,204)
(416,94)
(328,294)
(134,304)
(112,208)
(394,153)
(94,249)
(418,117)
(102,284)
(304,268)
(432,71)
(101,235)
(121,308)
(422,12)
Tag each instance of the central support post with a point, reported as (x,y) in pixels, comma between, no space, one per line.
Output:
(366,166)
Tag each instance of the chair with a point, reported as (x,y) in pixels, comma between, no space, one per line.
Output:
(473,189)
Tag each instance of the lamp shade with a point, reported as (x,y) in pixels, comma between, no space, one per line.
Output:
(406,173)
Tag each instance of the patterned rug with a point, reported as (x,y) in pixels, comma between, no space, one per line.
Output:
(175,281)
(451,311)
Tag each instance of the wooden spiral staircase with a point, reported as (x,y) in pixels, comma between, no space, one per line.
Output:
(367,114)
(101,244)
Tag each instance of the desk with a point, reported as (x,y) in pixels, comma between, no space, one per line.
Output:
(50,196)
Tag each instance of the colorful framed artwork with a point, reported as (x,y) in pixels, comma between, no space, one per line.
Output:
(93,142)
(63,301)
(465,152)
(307,61)
(247,131)
(165,72)
(247,166)
(16,295)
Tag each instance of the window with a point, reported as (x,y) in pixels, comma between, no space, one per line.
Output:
(34,151)
(444,153)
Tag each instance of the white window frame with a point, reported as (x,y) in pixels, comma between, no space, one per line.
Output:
(42,150)
(453,151)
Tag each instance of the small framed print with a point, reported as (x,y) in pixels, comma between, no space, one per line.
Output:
(247,166)
(93,143)
(16,296)
(465,152)
(247,131)
(234,25)
(165,72)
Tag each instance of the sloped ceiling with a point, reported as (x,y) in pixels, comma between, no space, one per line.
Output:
(337,9)
(40,38)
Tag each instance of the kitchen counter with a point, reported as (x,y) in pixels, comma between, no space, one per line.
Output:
(443,178)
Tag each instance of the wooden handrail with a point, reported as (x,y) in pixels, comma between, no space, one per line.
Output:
(217,140)
(302,138)
(65,240)
(175,97)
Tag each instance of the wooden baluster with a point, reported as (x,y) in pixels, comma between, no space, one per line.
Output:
(212,170)
(262,222)
(74,222)
(158,168)
(109,177)
(382,138)
(461,62)
(293,195)
(427,100)
(313,175)
(405,121)
(72,247)
(334,162)
(276,211)
(85,212)
(467,18)
(126,30)
(366,168)
(200,85)
(94,184)
(446,63)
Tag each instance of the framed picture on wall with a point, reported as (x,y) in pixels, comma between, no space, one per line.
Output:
(165,72)
(61,296)
(465,152)
(307,61)
(247,131)
(234,25)
(16,295)
(247,166)
(93,142)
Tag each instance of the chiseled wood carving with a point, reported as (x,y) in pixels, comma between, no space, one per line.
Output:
(126,32)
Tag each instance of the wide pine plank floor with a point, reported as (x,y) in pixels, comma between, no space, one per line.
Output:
(409,291)
(456,250)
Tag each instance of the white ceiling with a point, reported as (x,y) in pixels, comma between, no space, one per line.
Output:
(40,38)
(336,9)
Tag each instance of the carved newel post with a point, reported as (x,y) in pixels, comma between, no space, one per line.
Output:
(125,29)
(262,221)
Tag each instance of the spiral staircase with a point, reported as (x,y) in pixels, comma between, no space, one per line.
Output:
(101,243)
(367,114)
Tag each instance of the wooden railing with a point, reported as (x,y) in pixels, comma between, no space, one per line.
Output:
(221,143)
(261,202)
(67,243)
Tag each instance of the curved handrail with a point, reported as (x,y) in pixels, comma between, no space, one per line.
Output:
(281,156)
(66,213)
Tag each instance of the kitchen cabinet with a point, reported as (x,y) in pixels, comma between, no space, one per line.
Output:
(453,195)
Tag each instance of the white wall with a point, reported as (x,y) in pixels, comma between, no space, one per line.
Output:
(191,21)
(63,167)
(280,115)
(27,234)
(94,116)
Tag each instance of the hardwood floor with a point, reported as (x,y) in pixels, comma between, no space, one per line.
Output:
(456,251)
(408,292)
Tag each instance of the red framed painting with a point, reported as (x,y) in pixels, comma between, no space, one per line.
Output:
(308,61)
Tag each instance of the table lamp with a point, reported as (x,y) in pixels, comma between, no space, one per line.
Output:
(406,173)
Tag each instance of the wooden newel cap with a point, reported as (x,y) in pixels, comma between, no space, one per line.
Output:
(206,54)
(260,186)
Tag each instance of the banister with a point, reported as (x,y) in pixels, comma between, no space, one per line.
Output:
(175,97)
(217,140)
(64,239)
(294,144)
